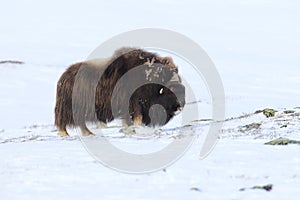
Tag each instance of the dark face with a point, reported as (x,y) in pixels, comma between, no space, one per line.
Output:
(162,106)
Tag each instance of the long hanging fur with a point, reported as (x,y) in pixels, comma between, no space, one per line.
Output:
(82,87)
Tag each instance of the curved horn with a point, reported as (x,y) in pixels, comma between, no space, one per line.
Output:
(141,56)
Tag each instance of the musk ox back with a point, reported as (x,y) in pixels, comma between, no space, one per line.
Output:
(97,90)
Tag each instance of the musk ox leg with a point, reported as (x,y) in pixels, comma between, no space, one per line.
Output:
(138,120)
(136,109)
(85,131)
(63,132)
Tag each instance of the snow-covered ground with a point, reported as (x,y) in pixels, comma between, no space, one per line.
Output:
(255,46)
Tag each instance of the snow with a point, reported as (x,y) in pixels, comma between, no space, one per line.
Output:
(255,47)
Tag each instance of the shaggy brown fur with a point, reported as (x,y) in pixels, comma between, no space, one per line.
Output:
(84,95)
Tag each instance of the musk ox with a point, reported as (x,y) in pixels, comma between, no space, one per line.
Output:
(85,91)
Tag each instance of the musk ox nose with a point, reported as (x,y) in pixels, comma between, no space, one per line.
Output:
(179,90)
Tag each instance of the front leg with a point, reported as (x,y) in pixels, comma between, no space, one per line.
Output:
(137,119)
(136,110)
(62,131)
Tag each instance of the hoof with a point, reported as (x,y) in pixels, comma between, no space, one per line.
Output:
(63,133)
(87,133)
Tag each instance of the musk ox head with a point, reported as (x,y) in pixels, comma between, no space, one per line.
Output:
(161,106)
(160,101)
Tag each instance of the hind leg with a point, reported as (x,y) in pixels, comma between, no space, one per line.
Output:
(63,132)
(85,131)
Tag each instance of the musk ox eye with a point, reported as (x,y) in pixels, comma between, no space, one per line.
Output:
(161,91)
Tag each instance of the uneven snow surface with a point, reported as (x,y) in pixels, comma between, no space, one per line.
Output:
(255,47)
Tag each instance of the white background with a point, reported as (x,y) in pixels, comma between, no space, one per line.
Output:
(254,44)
